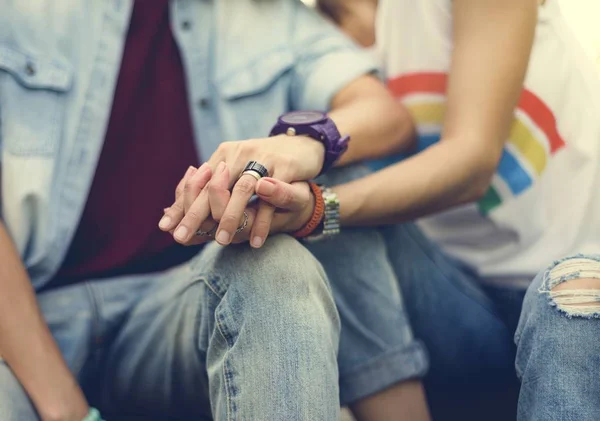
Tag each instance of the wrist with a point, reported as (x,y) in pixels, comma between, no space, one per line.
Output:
(352,202)
(313,151)
(70,405)
(324,222)
(313,215)
(68,414)
(317,151)
(318,127)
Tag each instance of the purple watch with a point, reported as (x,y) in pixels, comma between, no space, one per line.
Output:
(317,125)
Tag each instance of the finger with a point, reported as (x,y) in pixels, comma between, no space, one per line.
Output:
(232,217)
(179,189)
(174,213)
(207,230)
(204,235)
(194,217)
(194,185)
(218,192)
(262,224)
(282,195)
(244,235)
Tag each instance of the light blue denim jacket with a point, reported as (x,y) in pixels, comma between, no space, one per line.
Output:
(246,62)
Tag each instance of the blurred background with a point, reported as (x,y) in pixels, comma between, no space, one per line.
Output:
(582,15)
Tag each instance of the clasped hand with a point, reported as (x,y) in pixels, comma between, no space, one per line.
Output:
(216,201)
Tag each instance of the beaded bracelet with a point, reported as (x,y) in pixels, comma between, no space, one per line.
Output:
(317,216)
(93,415)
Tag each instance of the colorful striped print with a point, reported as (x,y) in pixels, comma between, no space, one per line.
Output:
(533,138)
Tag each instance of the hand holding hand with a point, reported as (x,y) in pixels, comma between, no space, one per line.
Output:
(287,158)
(294,201)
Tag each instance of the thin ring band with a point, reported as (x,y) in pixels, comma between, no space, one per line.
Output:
(243,225)
(208,233)
(212,231)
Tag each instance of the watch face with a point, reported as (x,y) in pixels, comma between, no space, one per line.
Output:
(296,118)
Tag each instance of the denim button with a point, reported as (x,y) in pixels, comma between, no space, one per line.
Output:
(30,69)
(203,102)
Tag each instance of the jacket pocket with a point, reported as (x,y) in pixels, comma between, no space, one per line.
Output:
(254,94)
(32,102)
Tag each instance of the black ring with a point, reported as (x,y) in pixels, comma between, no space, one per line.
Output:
(257,168)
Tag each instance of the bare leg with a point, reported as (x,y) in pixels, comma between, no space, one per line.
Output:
(402,402)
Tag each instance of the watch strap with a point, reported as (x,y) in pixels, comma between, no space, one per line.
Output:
(324,131)
(330,224)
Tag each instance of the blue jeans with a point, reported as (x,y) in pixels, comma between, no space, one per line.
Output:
(477,335)
(251,333)
(377,346)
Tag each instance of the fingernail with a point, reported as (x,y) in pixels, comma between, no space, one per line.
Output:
(257,242)
(267,187)
(165,210)
(223,237)
(197,174)
(164,222)
(203,167)
(189,171)
(221,167)
(181,233)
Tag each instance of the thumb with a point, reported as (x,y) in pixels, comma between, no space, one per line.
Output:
(292,197)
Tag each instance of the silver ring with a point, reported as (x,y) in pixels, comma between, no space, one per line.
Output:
(208,233)
(243,225)
(252,173)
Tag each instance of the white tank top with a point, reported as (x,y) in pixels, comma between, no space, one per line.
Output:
(544,201)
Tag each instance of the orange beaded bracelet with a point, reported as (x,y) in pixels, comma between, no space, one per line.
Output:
(317,216)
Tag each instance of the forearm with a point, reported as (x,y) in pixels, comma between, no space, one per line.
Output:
(437,179)
(479,111)
(28,347)
(377,123)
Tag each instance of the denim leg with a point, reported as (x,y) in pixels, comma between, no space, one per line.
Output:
(14,402)
(558,348)
(256,330)
(470,348)
(70,318)
(377,347)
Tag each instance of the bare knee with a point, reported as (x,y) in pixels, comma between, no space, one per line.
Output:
(575,286)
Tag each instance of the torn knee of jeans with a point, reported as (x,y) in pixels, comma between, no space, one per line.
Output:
(574,286)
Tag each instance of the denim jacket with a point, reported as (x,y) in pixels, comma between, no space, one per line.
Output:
(246,62)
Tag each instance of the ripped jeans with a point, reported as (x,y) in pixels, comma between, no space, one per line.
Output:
(477,335)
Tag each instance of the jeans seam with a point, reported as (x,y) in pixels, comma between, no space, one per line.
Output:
(80,360)
(226,373)
(211,287)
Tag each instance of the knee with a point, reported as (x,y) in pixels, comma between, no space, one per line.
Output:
(559,316)
(282,265)
(573,286)
(281,285)
(281,273)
